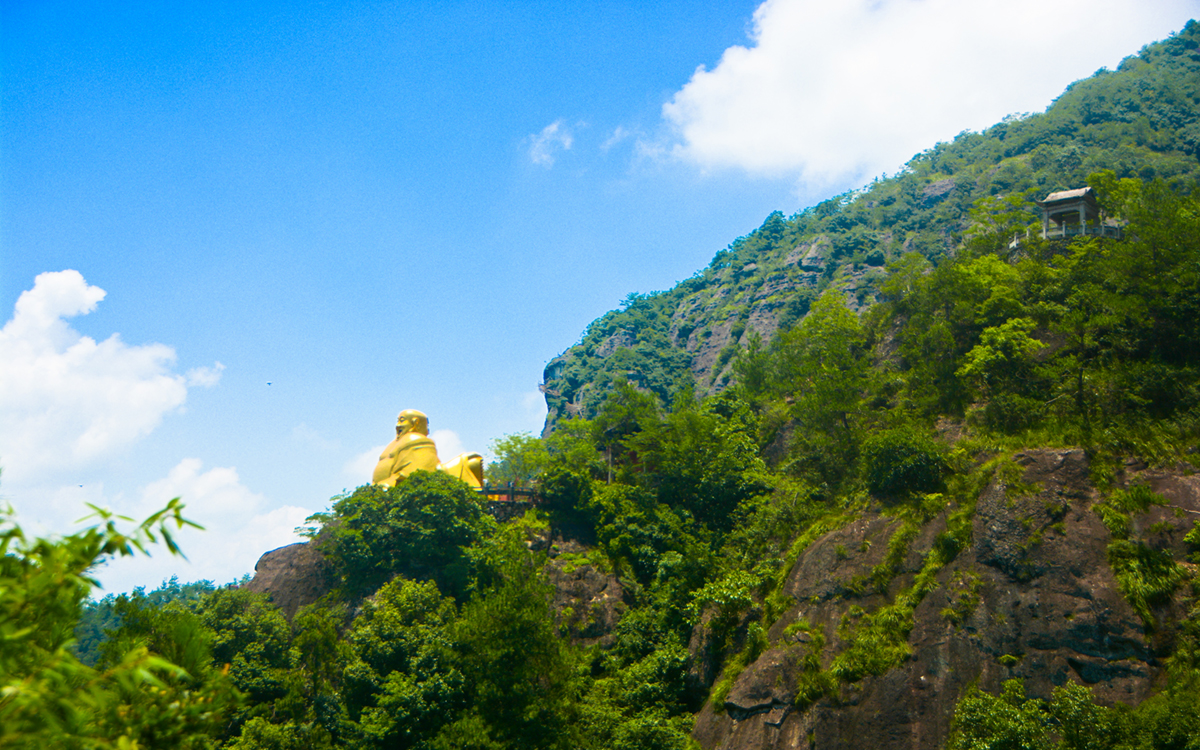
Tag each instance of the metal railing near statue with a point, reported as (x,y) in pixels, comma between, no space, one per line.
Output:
(510,493)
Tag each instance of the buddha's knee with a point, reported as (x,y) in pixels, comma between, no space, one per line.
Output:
(468,467)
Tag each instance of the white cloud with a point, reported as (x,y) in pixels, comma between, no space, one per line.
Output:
(238,529)
(205,377)
(449,444)
(358,470)
(217,492)
(846,90)
(544,146)
(68,401)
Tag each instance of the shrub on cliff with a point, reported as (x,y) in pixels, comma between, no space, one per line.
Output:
(902,461)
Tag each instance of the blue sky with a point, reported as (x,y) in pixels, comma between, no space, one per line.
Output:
(380,206)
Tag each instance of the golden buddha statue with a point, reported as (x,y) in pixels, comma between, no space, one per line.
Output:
(413,450)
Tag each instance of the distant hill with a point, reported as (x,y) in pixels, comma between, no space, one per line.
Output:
(1141,120)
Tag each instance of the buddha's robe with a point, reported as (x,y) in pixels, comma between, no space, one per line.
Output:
(409,452)
(413,451)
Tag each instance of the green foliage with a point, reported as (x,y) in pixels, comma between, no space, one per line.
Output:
(1005,722)
(98,617)
(420,526)
(1192,539)
(260,734)
(401,687)
(250,639)
(515,670)
(639,532)
(625,413)
(728,597)
(964,200)
(1136,499)
(520,459)
(964,598)
(1010,720)
(902,461)
(48,698)
(821,365)
(700,460)
(1146,576)
(443,634)
(756,643)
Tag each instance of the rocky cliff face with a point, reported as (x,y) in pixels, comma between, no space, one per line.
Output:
(1033,597)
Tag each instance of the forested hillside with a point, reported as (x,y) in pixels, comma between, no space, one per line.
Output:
(1142,120)
(946,497)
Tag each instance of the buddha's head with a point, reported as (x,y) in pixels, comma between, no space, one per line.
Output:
(411,420)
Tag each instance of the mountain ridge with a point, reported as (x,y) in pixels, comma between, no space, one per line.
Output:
(1139,120)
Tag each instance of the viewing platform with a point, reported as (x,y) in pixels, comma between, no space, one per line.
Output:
(1075,230)
(1072,213)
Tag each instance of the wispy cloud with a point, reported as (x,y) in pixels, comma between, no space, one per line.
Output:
(545,146)
(449,444)
(620,133)
(358,469)
(205,377)
(847,90)
(307,435)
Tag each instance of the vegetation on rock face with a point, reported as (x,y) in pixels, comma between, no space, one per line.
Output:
(779,464)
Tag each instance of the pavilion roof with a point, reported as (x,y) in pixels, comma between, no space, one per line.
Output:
(1068,195)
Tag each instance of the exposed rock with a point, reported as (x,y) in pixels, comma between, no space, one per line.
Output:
(1034,587)
(709,348)
(588,601)
(766,687)
(614,342)
(811,256)
(293,576)
(935,191)
(816,257)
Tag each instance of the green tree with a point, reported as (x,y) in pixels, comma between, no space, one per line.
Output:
(1001,367)
(822,366)
(419,527)
(515,668)
(700,461)
(520,459)
(626,412)
(400,685)
(1006,722)
(902,461)
(251,639)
